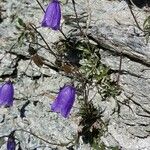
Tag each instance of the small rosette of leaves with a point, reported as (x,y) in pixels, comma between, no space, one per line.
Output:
(94,71)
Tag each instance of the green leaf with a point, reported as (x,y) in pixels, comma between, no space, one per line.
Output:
(20,38)
(147,38)
(146,24)
(21,23)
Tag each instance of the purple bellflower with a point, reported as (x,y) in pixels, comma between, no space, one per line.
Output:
(64,101)
(11,144)
(52,15)
(6,94)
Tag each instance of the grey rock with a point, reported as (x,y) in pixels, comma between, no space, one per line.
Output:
(112,28)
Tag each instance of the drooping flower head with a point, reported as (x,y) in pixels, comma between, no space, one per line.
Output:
(6,94)
(11,144)
(64,101)
(52,15)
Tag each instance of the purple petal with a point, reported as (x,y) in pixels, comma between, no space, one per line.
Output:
(52,15)
(11,144)
(64,101)
(1,86)
(6,94)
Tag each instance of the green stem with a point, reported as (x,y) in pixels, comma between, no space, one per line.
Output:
(42,139)
(40,5)
(75,11)
(137,24)
(44,40)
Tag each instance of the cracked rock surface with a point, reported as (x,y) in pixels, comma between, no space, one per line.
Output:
(112,28)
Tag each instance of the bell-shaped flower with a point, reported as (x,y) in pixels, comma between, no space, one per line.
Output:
(6,94)
(52,15)
(11,144)
(64,101)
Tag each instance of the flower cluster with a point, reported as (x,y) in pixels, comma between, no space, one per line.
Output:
(66,96)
